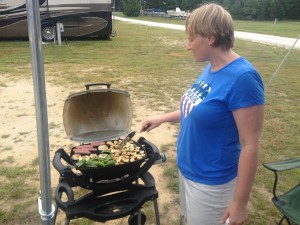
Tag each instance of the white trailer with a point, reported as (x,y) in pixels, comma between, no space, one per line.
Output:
(79,18)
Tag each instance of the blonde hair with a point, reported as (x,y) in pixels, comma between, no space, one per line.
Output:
(212,20)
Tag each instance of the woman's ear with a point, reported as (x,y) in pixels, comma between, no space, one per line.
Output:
(211,40)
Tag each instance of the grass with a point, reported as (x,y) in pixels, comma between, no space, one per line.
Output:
(154,66)
(7,148)
(171,172)
(282,28)
(5,136)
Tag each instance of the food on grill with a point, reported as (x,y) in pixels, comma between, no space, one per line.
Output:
(76,157)
(96,161)
(84,149)
(103,156)
(97,143)
(102,147)
(86,146)
(109,155)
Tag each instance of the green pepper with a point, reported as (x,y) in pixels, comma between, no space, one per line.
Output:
(101,164)
(81,163)
(91,163)
(95,159)
(110,163)
(108,158)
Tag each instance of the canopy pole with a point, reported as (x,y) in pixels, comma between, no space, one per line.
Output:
(46,209)
(275,73)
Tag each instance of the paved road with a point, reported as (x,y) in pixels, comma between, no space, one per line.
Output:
(260,38)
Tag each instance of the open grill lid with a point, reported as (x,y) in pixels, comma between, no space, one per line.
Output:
(97,115)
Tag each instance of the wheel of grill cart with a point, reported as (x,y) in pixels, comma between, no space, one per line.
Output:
(133,219)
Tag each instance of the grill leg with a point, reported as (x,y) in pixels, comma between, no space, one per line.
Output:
(67,221)
(181,219)
(156,211)
(139,218)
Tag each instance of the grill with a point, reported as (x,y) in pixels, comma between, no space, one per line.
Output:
(98,118)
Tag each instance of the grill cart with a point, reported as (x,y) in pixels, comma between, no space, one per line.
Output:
(98,179)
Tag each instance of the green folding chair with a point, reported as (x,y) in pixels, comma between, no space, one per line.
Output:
(288,203)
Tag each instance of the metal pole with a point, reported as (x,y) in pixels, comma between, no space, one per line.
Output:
(58,33)
(46,209)
(275,73)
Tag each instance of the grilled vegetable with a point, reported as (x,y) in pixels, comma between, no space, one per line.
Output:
(111,155)
(81,163)
(91,163)
(102,160)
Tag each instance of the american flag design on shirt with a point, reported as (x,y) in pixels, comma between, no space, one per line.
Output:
(194,96)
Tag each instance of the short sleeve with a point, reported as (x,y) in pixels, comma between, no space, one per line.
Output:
(247,91)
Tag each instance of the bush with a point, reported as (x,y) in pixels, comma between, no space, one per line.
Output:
(131,8)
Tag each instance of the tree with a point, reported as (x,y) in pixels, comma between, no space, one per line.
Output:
(170,4)
(118,5)
(131,7)
(191,4)
(250,9)
(152,4)
(239,9)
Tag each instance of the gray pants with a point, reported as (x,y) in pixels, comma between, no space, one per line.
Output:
(204,204)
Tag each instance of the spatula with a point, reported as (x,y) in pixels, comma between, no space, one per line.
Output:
(126,139)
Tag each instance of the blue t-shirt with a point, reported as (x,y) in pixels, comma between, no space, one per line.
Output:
(208,145)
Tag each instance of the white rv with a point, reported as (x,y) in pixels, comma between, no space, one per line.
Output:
(79,18)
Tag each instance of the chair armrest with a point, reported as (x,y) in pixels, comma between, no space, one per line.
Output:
(283,165)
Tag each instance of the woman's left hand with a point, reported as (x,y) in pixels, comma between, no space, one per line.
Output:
(236,212)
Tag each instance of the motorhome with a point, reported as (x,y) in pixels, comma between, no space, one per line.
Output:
(78,18)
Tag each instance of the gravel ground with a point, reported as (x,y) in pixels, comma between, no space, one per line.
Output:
(260,38)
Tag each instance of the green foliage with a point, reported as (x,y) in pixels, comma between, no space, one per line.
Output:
(132,8)
(171,172)
(18,194)
(240,9)
(263,9)
(284,28)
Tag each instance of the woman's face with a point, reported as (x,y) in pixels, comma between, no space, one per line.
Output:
(200,47)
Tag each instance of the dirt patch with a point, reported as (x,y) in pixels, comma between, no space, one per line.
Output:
(167,41)
(19,135)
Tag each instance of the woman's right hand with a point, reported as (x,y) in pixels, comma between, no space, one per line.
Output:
(153,122)
(150,123)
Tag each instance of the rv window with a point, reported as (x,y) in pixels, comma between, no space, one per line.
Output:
(7,5)
(3,5)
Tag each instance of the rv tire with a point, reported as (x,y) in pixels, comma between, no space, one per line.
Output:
(48,31)
(104,37)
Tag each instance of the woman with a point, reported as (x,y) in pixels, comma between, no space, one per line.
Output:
(221,118)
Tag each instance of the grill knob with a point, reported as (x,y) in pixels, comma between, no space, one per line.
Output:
(162,158)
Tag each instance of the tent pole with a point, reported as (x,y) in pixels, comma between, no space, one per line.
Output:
(46,209)
(275,73)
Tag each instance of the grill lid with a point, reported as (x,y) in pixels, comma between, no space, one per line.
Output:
(97,115)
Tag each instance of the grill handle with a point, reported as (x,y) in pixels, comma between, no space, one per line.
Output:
(152,150)
(87,86)
(61,154)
